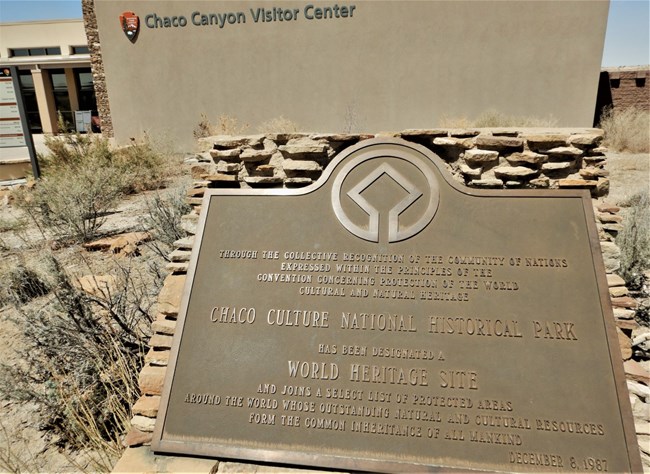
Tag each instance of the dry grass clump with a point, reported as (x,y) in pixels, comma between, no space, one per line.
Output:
(163,220)
(493,118)
(279,125)
(226,125)
(626,129)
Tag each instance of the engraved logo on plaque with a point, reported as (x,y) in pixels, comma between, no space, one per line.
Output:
(385,198)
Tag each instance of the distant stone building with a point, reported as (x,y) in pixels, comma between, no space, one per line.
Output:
(622,87)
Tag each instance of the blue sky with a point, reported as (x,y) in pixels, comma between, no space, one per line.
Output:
(627,42)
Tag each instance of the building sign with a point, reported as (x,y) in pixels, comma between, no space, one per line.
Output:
(12,133)
(387,319)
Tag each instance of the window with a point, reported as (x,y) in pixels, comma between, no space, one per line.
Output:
(51,51)
(80,50)
(29,99)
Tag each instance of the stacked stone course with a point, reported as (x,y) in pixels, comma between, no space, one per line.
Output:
(97,67)
(486,158)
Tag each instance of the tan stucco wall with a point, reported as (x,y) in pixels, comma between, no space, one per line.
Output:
(39,34)
(393,65)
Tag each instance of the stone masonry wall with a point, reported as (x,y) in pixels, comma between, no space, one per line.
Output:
(629,87)
(97,66)
(486,158)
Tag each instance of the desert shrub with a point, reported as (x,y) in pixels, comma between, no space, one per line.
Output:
(626,129)
(72,202)
(82,180)
(278,125)
(634,241)
(81,356)
(163,219)
(493,118)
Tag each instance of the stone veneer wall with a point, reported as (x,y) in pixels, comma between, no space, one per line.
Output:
(486,158)
(629,87)
(97,66)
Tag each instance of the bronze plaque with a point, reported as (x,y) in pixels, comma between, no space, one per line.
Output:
(386,318)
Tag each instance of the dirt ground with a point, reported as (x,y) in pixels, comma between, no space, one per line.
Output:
(24,447)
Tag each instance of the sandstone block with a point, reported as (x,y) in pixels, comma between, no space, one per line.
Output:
(463,132)
(160,341)
(514,172)
(499,143)
(625,344)
(635,371)
(164,326)
(147,406)
(99,286)
(143,423)
(301,165)
(622,313)
(169,299)
(611,256)
(180,256)
(229,154)
(297,182)
(199,170)
(177,267)
(304,148)
(577,183)
(252,155)
(593,173)
(157,358)
(565,151)
(228,168)
(476,157)
(429,133)
(220,177)
(624,302)
(605,207)
(451,142)
(340,137)
(226,141)
(545,142)
(135,437)
(284,137)
(618,291)
(486,183)
(186,243)
(609,218)
(151,380)
(556,166)
(526,158)
(586,139)
(542,182)
(473,173)
(265,170)
(263,179)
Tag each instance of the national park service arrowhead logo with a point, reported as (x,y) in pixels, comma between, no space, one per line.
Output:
(130,25)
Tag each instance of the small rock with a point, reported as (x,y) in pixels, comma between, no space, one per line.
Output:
(576,183)
(545,142)
(169,298)
(100,286)
(180,256)
(263,179)
(614,280)
(228,168)
(618,291)
(463,133)
(624,302)
(164,326)
(586,139)
(634,371)
(186,243)
(593,173)
(430,133)
(453,142)
(157,358)
(252,155)
(625,344)
(230,154)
